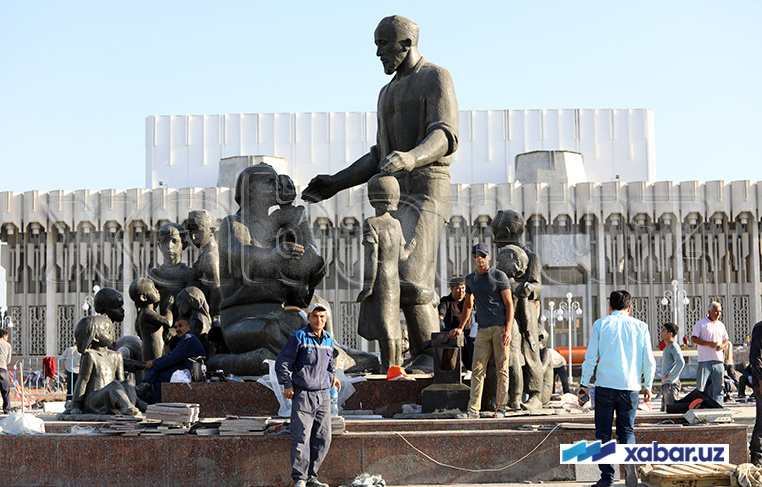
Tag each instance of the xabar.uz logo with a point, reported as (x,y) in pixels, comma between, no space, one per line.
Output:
(611,452)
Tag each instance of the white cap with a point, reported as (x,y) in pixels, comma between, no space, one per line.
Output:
(315,306)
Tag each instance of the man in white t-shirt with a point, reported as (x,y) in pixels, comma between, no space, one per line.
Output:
(70,363)
(711,337)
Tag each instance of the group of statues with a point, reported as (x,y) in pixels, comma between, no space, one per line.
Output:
(257,272)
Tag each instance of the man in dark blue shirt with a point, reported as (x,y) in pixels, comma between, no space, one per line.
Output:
(491,289)
(161,369)
(306,371)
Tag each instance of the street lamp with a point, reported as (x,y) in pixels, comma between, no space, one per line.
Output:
(6,322)
(5,318)
(88,307)
(549,318)
(674,296)
(569,308)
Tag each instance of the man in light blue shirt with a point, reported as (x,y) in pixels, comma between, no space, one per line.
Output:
(621,347)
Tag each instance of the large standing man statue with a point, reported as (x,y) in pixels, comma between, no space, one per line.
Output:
(417,135)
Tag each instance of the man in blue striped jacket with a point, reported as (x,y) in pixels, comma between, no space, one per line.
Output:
(306,371)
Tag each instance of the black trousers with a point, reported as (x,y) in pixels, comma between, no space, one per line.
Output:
(563,376)
(5,390)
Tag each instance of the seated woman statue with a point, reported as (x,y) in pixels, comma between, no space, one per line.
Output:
(101,387)
(260,273)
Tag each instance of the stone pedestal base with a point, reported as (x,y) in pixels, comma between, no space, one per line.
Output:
(444,396)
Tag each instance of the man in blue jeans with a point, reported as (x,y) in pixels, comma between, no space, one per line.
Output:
(710,335)
(621,347)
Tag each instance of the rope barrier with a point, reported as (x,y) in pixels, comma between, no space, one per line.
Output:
(483,469)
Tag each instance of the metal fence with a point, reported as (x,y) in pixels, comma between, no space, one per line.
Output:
(43,379)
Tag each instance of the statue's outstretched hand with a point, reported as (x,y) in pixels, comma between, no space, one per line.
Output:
(319,189)
(522,291)
(397,161)
(291,250)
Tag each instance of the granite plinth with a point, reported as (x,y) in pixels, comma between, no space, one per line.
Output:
(445,396)
(218,399)
(264,461)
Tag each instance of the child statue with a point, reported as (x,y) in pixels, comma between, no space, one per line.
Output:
(200,226)
(173,275)
(101,387)
(191,305)
(384,247)
(508,227)
(109,302)
(152,326)
(514,261)
(294,227)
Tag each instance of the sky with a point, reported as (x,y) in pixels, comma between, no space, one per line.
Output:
(78,78)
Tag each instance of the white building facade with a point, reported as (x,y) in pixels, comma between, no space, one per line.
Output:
(184,151)
(591,237)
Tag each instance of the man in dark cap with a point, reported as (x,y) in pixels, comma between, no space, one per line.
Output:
(491,289)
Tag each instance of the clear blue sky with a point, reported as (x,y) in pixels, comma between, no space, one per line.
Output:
(78,78)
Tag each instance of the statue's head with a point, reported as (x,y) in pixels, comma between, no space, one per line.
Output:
(130,346)
(109,301)
(96,329)
(395,36)
(191,300)
(172,242)
(507,226)
(512,260)
(143,291)
(384,192)
(257,184)
(286,190)
(200,226)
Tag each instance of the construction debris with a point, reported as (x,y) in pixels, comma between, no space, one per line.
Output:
(337,425)
(367,480)
(173,413)
(682,475)
(244,426)
(747,475)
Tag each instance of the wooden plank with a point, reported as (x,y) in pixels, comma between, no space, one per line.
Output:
(666,470)
(696,483)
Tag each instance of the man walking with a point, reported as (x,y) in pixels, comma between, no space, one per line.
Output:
(621,347)
(306,371)
(755,362)
(5,379)
(711,337)
(491,289)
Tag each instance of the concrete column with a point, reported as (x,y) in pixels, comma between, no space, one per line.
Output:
(51,315)
(128,325)
(755,311)
(601,287)
(678,242)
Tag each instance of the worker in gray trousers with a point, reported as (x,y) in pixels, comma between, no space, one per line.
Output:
(306,371)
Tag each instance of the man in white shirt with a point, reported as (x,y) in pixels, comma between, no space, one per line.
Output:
(619,352)
(70,363)
(710,335)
